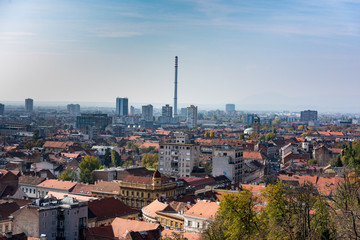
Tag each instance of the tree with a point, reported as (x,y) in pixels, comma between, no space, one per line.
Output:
(276,121)
(115,158)
(237,211)
(312,161)
(211,134)
(107,157)
(206,135)
(346,200)
(300,128)
(269,136)
(36,134)
(241,136)
(68,175)
(297,213)
(215,230)
(150,160)
(87,165)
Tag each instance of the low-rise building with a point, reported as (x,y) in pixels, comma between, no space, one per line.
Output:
(58,219)
(198,216)
(104,211)
(228,161)
(54,186)
(138,192)
(29,185)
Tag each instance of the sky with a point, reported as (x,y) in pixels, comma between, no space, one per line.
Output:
(259,54)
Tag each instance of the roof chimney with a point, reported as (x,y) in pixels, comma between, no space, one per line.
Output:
(43,237)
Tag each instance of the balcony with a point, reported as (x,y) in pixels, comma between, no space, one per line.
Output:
(174,153)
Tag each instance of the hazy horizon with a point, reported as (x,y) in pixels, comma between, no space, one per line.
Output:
(259,55)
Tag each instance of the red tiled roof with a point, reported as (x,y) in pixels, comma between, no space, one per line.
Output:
(150,144)
(122,226)
(253,155)
(53,183)
(7,208)
(107,208)
(54,144)
(107,187)
(84,189)
(202,209)
(138,179)
(336,150)
(153,207)
(196,181)
(102,231)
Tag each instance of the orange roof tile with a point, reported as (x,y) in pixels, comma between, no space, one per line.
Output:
(253,155)
(53,183)
(153,207)
(202,209)
(122,226)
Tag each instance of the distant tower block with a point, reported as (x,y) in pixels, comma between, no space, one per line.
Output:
(175,94)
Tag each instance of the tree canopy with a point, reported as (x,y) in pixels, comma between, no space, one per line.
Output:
(87,165)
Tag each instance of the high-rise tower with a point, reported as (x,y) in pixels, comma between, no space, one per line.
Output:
(122,107)
(175,94)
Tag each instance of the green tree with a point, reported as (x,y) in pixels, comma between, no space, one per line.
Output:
(206,135)
(241,221)
(269,136)
(241,136)
(107,157)
(300,128)
(115,158)
(87,165)
(150,160)
(312,161)
(276,121)
(297,213)
(215,230)
(36,134)
(68,175)
(211,134)
(346,199)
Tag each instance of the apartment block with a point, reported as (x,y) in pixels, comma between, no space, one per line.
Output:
(179,157)
(228,161)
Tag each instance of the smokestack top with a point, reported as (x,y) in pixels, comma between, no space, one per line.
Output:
(176,61)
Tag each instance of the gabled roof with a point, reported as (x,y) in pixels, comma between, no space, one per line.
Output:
(253,155)
(53,183)
(30,180)
(203,209)
(102,231)
(54,144)
(123,226)
(107,208)
(107,187)
(7,208)
(82,188)
(196,181)
(138,179)
(153,207)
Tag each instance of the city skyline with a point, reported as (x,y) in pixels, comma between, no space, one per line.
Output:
(264,55)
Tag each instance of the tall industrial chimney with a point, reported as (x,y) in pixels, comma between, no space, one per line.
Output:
(175,94)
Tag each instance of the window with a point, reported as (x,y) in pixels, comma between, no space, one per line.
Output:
(189,223)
